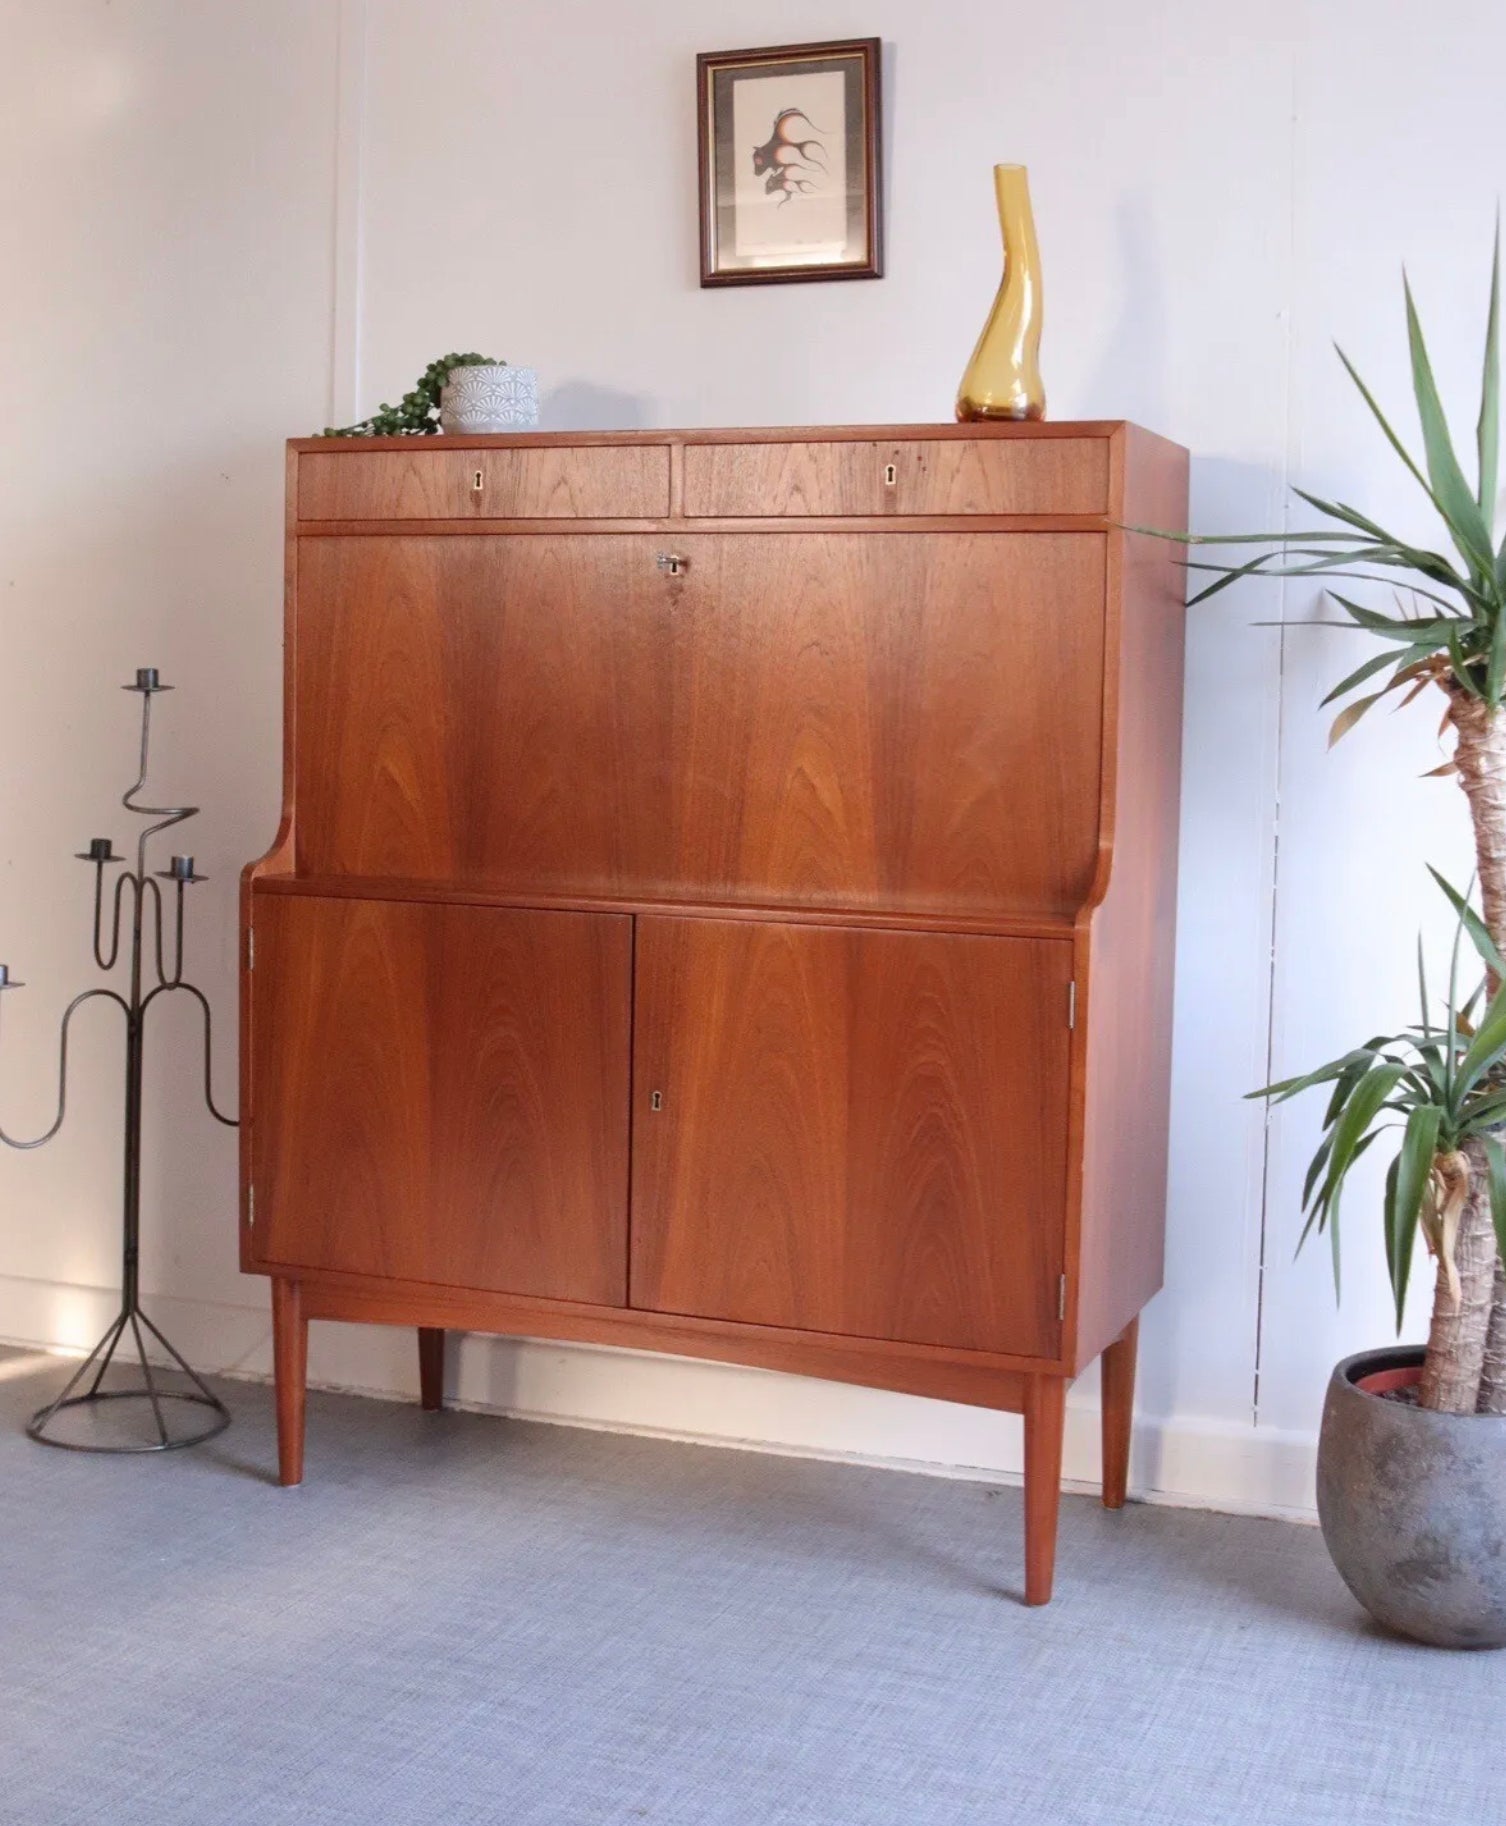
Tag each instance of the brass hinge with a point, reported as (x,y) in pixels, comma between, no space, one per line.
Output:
(1072,1003)
(1061,1298)
(250,947)
(250,1207)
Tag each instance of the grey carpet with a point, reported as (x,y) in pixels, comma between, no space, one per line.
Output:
(465,1620)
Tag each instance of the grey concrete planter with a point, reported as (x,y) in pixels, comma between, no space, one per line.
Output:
(1413,1507)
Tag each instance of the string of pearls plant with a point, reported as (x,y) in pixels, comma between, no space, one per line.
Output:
(417,413)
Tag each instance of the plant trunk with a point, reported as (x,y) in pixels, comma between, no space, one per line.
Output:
(1456,1339)
(1493,1373)
(1480,755)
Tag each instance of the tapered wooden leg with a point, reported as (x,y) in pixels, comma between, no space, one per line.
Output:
(1045,1421)
(1117,1370)
(431,1367)
(290,1357)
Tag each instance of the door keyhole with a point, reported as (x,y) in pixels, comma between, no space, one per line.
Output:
(656,1102)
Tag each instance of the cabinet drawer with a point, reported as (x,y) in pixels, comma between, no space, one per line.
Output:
(541,482)
(1025,475)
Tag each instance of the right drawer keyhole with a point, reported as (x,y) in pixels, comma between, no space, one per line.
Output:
(891,475)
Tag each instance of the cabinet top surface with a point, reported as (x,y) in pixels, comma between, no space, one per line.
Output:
(1098,429)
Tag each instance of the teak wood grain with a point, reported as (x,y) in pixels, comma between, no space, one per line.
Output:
(841,1132)
(427,483)
(431,1342)
(812,779)
(1045,1423)
(902,476)
(1024,431)
(801,720)
(1118,1402)
(376,887)
(493,711)
(442,1094)
(1130,921)
(868,723)
(979,1378)
(290,1356)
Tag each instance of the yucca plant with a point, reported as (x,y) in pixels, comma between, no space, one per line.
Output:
(1437,1088)
(1445,628)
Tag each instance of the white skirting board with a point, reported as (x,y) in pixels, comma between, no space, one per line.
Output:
(1185,1460)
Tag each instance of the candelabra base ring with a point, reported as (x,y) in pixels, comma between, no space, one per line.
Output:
(163,1402)
(220,1419)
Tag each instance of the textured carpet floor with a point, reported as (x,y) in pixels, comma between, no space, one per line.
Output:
(466,1620)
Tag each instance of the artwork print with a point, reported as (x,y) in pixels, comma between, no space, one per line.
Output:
(790,163)
(791,167)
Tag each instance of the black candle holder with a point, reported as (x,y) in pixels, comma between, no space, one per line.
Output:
(134,1004)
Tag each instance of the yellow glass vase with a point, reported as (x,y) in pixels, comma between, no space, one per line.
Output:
(1003,379)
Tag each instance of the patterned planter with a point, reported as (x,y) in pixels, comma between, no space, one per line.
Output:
(489,397)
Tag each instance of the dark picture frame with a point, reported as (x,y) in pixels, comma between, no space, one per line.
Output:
(784,196)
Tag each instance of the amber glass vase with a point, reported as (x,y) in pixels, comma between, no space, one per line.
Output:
(1003,379)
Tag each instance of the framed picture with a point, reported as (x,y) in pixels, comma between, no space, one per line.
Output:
(789,156)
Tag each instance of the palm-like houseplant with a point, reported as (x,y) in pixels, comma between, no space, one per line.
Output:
(1436,1091)
(1444,1085)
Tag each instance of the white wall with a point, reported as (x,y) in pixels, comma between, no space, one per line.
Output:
(166,201)
(222,224)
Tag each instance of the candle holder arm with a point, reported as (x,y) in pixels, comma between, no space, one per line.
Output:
(174,980)
(78,1001)
(108,963)
(182,988)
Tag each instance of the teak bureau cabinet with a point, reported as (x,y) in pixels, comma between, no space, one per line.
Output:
(724,905)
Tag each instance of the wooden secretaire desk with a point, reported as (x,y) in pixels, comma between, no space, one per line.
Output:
(724,905)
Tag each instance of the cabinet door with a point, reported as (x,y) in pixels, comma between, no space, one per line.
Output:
(488,710)
(439,1093)
(855,1132)
(909,722)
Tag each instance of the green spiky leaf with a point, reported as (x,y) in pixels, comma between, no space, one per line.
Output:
(1460,510)
(1414,1163)
(1488,427)
(1479,933)
(1368,670)
(1484,1050)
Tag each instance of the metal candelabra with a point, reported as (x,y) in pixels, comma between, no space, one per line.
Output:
(143,889)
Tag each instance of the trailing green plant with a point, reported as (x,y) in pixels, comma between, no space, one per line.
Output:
(417,413)
(1445,627)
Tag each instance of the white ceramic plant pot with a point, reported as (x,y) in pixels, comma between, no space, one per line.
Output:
(491,396)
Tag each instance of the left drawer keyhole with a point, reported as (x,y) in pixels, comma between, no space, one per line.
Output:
(478,482)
